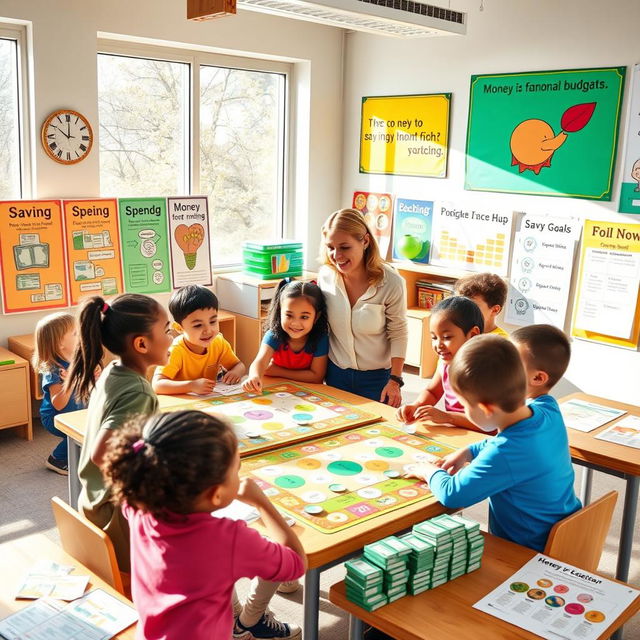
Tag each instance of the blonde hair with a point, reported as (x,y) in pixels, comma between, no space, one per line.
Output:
(50,331)
(352,222)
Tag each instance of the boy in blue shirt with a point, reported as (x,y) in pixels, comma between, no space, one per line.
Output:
(525,470)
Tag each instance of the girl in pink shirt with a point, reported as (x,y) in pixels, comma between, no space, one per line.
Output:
(170,474)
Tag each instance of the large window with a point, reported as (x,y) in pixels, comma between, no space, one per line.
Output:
(10,147)
(173,124)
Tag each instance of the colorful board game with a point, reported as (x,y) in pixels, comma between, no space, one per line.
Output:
(333,483)
(283,413)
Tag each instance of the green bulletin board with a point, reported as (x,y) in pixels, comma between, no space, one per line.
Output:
(145,244)
(545,132)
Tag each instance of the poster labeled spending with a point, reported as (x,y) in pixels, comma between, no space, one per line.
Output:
(189,240)
(32,256)
(557,600)
(145,245)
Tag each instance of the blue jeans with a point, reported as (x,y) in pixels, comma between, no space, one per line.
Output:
(368,384)
(60,452)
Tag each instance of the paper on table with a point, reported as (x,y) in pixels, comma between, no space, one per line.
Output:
(237,510)
(587,416)
(221,389)
(59,587)
(625,431)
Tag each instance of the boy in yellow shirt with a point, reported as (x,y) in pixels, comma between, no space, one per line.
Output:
(489,292)
(200,353)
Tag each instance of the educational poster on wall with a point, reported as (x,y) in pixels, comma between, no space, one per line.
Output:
(189,240)
(630,186)
(544,133)
(145,244)
(93,248)
(377,210)
(463,237)
(553,599)
(32,256)
(405,135)
(412,230)
(607,304)
(541,267)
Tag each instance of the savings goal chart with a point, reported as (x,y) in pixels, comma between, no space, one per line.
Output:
(335,482)
(282,414)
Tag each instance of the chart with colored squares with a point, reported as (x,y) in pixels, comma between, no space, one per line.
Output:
(333,483)
(283,413)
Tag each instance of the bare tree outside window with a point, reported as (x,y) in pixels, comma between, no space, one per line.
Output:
(10,186)
(143,110)
(241,156)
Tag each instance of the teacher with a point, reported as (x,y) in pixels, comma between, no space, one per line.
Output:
(367,308)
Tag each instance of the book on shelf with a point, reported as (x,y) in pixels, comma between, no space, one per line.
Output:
(430,293)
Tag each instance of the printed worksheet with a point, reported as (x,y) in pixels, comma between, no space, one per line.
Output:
(625,431)
(587,416)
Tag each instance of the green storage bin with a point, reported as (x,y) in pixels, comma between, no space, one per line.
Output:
(271,260)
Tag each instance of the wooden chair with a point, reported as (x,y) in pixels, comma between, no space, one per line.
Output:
(580,537)
(90,545)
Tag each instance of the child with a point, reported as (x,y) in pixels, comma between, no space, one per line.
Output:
(196,356)
(453,321)
(525,471)
(135,328)
(169,476)
(489,292)
(55,342)
(296,344)
(545,353)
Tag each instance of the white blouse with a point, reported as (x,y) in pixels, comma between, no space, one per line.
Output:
(368,335)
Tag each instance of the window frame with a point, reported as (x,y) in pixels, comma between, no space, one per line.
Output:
(197,57)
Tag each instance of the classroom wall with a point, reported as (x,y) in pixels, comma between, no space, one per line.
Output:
(64,35)
(507,36)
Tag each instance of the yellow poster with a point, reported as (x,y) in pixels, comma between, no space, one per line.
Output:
(405,135)
(607,305)
(32,256)
(93,248)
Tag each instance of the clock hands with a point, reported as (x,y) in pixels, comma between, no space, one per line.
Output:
(68,136)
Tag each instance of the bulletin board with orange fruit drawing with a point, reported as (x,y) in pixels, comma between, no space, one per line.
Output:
(93,248)
(550,133)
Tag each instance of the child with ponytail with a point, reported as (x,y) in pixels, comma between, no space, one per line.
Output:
(169,474)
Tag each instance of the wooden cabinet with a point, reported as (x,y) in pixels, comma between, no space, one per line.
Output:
(15,395)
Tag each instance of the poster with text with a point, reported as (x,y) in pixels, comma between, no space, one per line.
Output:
(412,230)
(32,256)
(541,267)
(93,248)
(377,211)
(630,186)
(405,135)
(607,305)
(189,240)
(463,237)
(544,133)
(145,244)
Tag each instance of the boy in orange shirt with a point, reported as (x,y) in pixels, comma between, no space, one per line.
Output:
(489,292)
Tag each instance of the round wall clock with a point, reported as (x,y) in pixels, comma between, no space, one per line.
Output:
(67,136)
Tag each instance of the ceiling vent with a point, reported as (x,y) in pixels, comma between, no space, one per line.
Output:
(399,18)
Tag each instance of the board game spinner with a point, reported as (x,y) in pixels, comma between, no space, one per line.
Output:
(333,483)
(283,413)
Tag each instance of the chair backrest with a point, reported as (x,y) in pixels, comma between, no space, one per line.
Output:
(579,538)
(87,543)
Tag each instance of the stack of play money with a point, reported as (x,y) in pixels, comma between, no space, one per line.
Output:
(364,584)
(440,538)
(475,542)
(396,574)
(458,562)
(420,563)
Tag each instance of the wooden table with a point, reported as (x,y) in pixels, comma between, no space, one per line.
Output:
(323,550)
(15,397)
(18,556)
(447,611)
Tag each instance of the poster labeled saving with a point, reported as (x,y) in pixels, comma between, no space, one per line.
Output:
(630,186)
(189,240)
(32,256)
(544,133)
(93,248)
(145,244)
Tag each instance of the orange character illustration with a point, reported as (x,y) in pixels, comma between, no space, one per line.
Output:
(533,141)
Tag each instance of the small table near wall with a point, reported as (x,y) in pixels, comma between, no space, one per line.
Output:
(15,397)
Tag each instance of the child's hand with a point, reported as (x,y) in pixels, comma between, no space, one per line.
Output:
(202,386)
(422,470)
(250,493)
(455,461)
(429,412)
(230,377)
(253,384)
(406,413)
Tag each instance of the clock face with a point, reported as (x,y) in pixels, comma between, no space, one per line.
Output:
(67,136)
